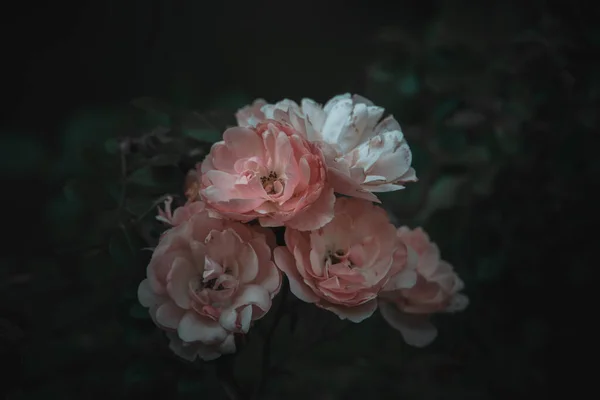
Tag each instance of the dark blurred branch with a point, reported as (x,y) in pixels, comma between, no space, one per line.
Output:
(266,356)
(226,378)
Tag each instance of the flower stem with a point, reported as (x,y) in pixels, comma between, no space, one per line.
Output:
(266,353)
(225,375)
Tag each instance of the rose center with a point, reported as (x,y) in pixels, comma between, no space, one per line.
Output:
(271,182)
(338,256)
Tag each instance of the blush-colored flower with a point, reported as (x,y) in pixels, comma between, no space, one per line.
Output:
(343,266)
(181,214)
(268,172)
(251,115)
(209,278)
(364,154)
(436,290)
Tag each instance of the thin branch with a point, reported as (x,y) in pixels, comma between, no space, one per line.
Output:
(226,379)
(266,353)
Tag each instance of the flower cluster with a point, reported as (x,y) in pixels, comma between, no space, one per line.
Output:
(314,170)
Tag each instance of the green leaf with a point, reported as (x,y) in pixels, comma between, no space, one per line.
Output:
(203,135)
(165,179)
(111,146)
(443,194)
(232,100)
(444,109)
(409,85)
(143,177)
(451,140)
(163,160)
(198,127)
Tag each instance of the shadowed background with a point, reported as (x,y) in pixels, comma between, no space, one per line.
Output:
(497,102)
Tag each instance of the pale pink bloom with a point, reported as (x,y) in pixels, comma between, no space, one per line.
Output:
(343,266)
(268,172)
(363,154)
(181,214)
(209,278)
(251,115)
(436,290)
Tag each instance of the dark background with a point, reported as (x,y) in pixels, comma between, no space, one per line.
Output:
(521,243)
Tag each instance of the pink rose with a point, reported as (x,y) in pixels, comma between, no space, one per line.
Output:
(181,214)
(363,154)
(209,278)
(270,173)
(436,290)
(342,266)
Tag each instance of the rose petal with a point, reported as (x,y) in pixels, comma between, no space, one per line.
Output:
(194,328)
(355,314)
(286,263)
(178,282)
(316,215)
(169,315)
(416,330)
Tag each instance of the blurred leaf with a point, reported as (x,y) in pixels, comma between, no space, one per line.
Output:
(143,176)
(163,160)
(409,85)
(509,142)
(112,146)
(200,127)
(465,119)
(232,100)
(159,111)
(473,155)
(453,141)
(443,194)
(444,109)
(163,179)
(203,135)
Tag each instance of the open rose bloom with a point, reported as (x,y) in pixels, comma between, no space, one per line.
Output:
(208,279)
(343,266)
(214,272)
(436,290)
(270,173)
(363,154)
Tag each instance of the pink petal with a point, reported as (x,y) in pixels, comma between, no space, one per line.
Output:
(196,328)
(178,282)
(236,318)
(316,215)
(417,330)
(355,314)
(147,297)
(286,263)
(344,184)
(169,315)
